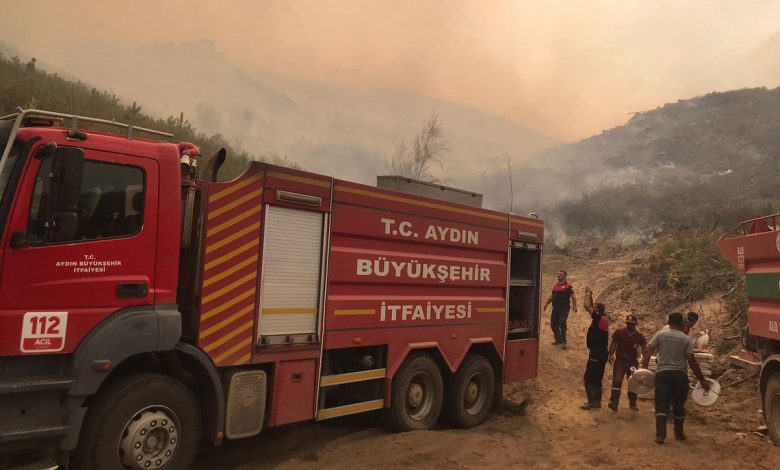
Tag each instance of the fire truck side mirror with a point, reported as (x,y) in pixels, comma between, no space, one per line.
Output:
(18,240)
(65,190)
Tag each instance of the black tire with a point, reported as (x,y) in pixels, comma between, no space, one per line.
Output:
(472,392)
(140,405)
(417,395)
(772,407)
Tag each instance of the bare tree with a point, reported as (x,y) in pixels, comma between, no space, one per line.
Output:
(428,147)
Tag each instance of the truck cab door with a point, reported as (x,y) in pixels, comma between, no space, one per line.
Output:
(53,291)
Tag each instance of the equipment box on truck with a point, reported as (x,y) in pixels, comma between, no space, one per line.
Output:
(143,305)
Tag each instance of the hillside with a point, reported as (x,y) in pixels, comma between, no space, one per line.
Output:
(348,131)
(39,89)
(705,162)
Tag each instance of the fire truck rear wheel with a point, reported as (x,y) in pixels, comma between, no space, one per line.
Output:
(417,395)
(144,421)
(772,407)
(470,396)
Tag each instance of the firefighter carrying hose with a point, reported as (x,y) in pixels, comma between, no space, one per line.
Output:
(675,354)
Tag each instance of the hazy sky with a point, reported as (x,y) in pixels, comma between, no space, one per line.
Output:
(567,68)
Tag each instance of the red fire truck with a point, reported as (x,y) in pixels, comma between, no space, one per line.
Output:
(753,247)
(145,306)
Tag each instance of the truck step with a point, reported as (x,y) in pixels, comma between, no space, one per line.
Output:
(352,377)
(37,466)
(16,433)
(34,384)
(337,411)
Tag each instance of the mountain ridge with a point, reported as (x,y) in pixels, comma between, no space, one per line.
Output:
(342,130)
(703,162)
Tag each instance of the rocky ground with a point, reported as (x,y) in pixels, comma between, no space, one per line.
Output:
(540,424)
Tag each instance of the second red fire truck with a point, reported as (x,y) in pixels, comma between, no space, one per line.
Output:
(145,306)
(753,247)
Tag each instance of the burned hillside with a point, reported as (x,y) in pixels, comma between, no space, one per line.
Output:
(705,162)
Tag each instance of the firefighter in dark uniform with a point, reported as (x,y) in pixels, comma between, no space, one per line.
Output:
(597,338)
(562,295)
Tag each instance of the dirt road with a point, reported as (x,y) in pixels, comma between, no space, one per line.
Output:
(553,433)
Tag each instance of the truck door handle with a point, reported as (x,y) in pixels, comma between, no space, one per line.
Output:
(132,290)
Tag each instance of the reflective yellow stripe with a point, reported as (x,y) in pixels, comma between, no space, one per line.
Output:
(416,202)
(491,310)
(234,204)
(235,236)
(233,221)
(222,307)
(219,293)
(228,272)
(298,179)
(231,255)
(350,409)
(235,187)
(233,350)
(352,377)
(228,336)
(289,311)
(226,321)
(244,359)
(367,311)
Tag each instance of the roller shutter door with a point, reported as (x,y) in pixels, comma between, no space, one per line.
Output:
(292,263)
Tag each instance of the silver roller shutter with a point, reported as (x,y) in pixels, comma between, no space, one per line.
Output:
(292,263)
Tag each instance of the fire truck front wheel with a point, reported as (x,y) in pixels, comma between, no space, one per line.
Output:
(417,395)
(772,407)
(470,396)
(143,421)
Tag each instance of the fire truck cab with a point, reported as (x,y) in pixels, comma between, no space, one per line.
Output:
(145,306)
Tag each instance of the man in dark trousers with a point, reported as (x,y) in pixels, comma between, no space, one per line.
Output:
(627,344)
(562,295)
(597,337)
(675,354)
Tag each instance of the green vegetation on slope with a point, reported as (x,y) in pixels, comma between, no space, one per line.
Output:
(687,267)
(38,89)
